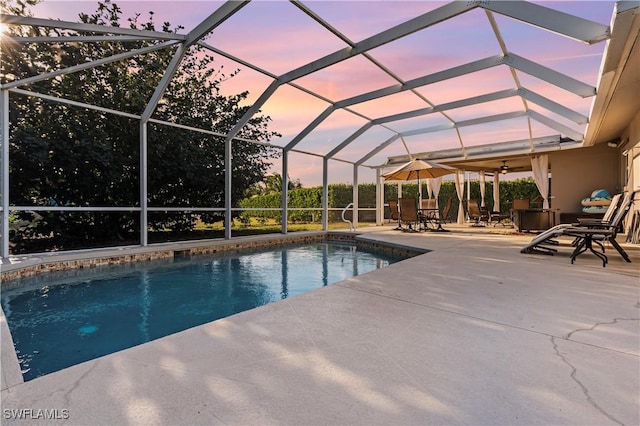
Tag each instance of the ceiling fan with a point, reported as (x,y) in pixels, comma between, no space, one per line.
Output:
(504,168)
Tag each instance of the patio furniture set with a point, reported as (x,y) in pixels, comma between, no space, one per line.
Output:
(587,232)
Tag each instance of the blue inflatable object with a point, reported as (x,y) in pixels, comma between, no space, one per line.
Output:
(600,193)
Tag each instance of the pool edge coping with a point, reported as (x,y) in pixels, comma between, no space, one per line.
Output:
(41,263)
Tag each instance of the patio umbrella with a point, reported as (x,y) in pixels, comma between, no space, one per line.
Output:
(417,169)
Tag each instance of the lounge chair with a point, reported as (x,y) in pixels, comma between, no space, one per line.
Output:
(587,232)
(409,214)
(602,233)
(549,236)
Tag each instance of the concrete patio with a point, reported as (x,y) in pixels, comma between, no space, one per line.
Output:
(473,332)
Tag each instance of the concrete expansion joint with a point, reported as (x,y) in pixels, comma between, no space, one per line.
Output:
(573,375)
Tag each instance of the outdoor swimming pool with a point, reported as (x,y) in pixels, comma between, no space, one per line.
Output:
(63,319)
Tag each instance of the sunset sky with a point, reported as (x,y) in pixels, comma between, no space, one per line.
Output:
(277,37)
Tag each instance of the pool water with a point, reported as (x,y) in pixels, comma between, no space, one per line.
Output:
(59,322)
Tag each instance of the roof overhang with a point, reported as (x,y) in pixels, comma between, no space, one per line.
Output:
(617,100)
(489,157)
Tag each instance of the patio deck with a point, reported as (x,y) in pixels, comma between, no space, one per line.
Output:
(473,332)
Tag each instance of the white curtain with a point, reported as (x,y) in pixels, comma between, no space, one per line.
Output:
(540,167)
(435,187)
(496,192)
(459,176)
(482,188)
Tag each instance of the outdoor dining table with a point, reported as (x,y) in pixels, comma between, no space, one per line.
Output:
(430,219)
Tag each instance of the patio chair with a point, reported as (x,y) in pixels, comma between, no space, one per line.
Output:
(409,214)
(428,209)
(587,233)
(393,213)
(430,215)
(476,214)
(447,211)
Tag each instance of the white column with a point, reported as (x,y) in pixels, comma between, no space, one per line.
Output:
(496,191)
(379,199)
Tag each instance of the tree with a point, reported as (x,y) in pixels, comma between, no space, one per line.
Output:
(273,183)
(68,155)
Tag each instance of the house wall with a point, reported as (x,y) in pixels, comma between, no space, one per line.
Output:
(629,157)
(576,173)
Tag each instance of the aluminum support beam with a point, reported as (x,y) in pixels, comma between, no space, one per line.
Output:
(577,136)
(554,107)
(421,22)
(348,140)
(447,74)
(75,39)
(164,82)
(284,191)
(465,123)
(397,88)
(315,123)
(221,14)
(325,194)
(92,28)
(87,65)
(228,159)
(144,199)
(406,28)
(134,116)
(377,149)
(552,20)
(550,76)
(425,111)
(216,18)
(4,167)
(354,220)
(475,100)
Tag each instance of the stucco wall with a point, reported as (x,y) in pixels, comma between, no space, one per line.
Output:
(576,173)
(631,164)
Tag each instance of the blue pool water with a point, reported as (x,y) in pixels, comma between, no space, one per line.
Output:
(62,320)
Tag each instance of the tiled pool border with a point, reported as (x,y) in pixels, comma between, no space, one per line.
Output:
(66,261)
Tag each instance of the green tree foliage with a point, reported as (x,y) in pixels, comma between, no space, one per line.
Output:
(67,155)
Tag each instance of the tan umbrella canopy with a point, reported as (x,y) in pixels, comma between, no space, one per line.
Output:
(418,169)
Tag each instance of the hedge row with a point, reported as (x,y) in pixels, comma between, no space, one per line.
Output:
(342,194)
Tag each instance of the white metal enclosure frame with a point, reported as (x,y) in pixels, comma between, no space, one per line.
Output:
(581,30)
